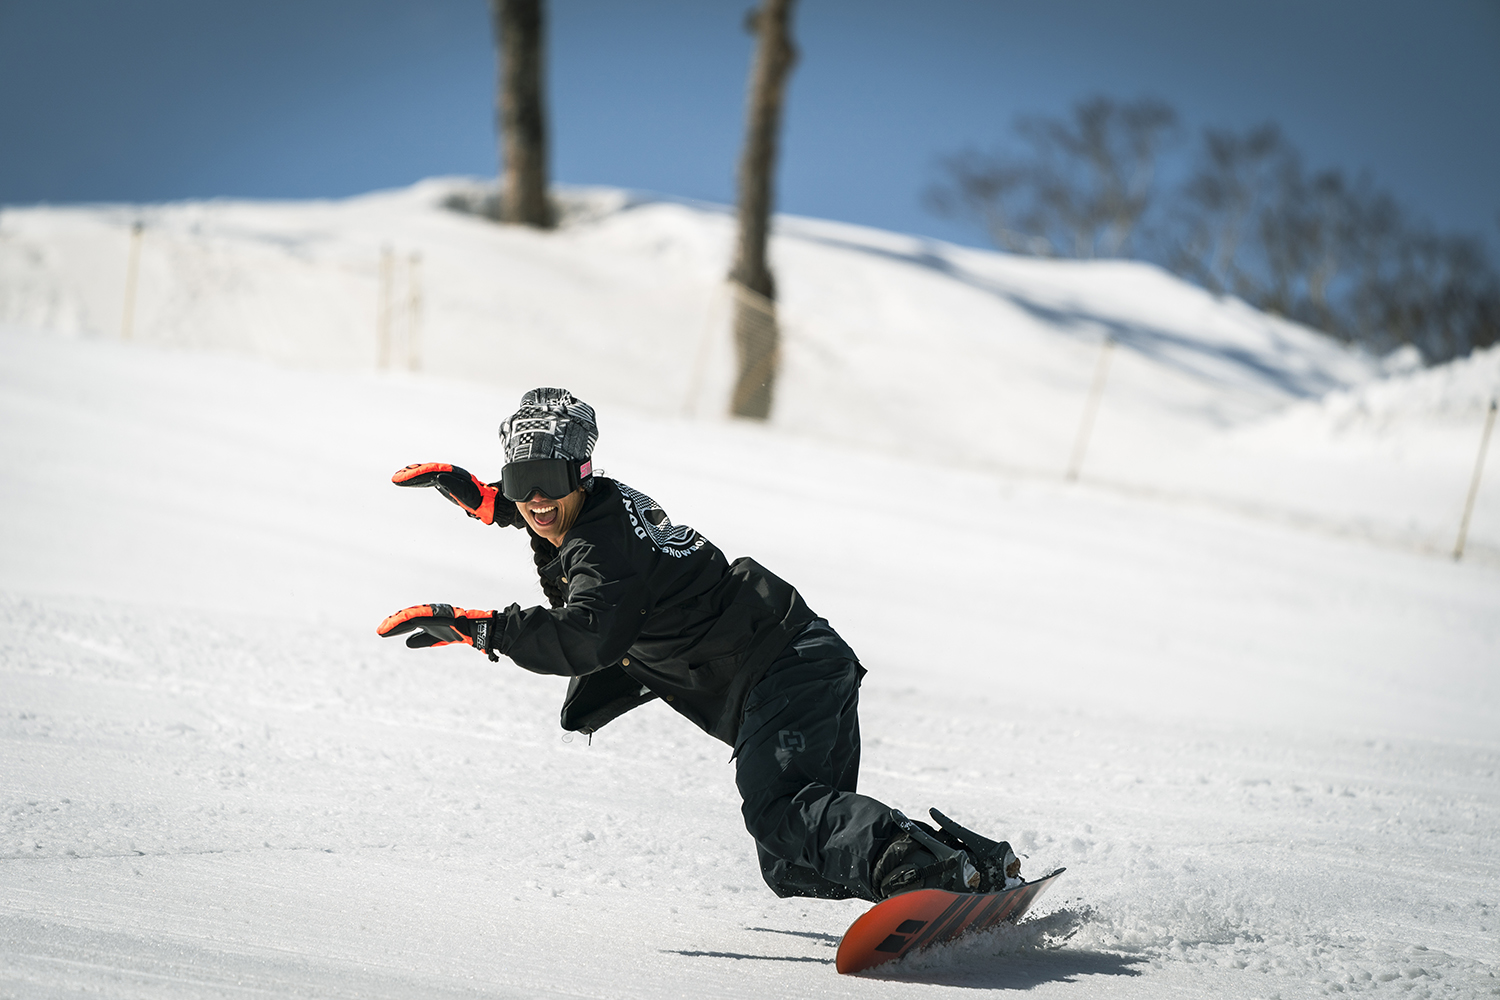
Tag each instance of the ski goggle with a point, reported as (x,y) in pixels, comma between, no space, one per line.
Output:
(554,478)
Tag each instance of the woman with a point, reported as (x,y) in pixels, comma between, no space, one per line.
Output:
(641,608)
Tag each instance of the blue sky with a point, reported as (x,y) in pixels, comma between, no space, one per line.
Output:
(164,99)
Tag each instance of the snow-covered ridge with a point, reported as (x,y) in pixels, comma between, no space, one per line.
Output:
(891,342)
(1455,394)
(298,283)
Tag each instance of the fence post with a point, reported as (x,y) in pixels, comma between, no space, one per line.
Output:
(383,309)
(1086,428)
(132,273)
(414,311)
(1484,444)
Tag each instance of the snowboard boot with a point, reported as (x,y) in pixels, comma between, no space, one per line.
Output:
(999,868)
(917,859)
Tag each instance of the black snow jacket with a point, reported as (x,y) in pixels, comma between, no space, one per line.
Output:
(653,610)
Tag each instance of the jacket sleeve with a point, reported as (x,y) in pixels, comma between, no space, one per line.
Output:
(594,700)
(606,607)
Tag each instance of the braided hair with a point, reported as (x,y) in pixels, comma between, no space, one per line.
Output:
(543,552)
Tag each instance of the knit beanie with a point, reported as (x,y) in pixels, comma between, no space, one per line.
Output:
(551,423)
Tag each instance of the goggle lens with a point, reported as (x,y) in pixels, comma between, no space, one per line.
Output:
(554,478)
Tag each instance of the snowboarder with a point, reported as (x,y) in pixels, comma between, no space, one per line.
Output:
(641,608)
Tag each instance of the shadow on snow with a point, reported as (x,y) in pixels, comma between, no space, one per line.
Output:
(738,955)
(1011,972)
(1222,363)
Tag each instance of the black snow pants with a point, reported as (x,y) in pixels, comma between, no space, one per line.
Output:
(797,767)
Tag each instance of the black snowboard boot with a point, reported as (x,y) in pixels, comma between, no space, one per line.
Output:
(917,859)
(999,868)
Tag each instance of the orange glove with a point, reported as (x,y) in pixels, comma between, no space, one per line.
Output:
(462,487)
(443,625)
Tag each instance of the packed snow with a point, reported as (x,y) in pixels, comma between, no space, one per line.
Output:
(1231,678)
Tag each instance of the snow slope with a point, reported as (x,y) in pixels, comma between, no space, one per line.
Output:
(1267,757)
(892,343)
(1266,754)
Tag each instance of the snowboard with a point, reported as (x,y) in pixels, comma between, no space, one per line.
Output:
(924,917)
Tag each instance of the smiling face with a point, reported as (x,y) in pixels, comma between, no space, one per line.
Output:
(551,518)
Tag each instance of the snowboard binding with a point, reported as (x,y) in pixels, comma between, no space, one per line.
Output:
(999,868)
(918,858)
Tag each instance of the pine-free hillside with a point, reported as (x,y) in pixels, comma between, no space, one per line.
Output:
(892,342)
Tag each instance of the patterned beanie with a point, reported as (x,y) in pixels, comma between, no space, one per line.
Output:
(551,423)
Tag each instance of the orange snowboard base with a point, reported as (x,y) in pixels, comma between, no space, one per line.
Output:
(916,920)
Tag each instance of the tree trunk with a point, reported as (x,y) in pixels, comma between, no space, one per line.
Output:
(523,117)
(755,329)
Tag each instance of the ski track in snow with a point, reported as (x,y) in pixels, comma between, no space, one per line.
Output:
(1267,757)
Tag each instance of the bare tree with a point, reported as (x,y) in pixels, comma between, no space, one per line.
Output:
(1338,254)
(1322,248)
(1314,234)
(1436,292)
(1219,206)
(1098,170)
(989,188)
(1079,189)
(755,329)
(523,118)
